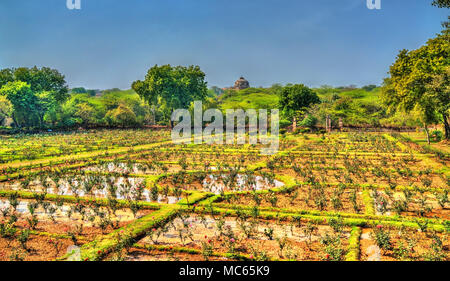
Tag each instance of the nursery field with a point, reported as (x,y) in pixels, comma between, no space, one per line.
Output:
(133,195)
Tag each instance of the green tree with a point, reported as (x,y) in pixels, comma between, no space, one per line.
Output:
(177,86)
(310,121)
(5,109)
(216,91)
(43,80)
(47,86)
(6,75)
(295,99)
(419,80)
(24,103)
(369,88)
(122,116)
(86,114)
(79,90)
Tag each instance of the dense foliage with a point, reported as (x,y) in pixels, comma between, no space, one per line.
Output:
(111,109)
(294,99)
(416,93)
(419,80)
(172,87)
(35,94)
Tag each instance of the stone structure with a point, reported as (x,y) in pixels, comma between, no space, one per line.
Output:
(240,84)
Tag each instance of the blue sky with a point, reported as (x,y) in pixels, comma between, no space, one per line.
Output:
(110,43)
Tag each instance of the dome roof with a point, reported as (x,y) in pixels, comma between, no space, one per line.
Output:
(241,84)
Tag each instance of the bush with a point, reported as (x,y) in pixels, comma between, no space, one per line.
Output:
(302,131)
(121,116)
(436,136)
(284,123)
(369,88)
(310,121)
(382,237)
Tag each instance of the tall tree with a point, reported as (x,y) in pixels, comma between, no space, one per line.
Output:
(5,109)
(47,85)
(295,99)
(177,86)
(43,79)
(24,103)
(419,80)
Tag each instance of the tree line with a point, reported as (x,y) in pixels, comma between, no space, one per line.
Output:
(418,83)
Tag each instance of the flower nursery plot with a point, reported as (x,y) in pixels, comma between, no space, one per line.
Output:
(250,237)
(35,229)
(402,244)
(36,146)
(411,203)
(38,248)
(168,254)
(305,197)
(337,196)
(220,183)
(146,152)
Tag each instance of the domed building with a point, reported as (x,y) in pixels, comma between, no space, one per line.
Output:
(241,84)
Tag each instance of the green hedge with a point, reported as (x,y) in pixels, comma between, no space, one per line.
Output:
(354,245)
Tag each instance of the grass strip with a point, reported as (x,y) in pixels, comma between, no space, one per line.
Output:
(131,233)
(192,251)
(354,245)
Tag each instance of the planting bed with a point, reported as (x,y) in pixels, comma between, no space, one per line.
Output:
(250,237)
(133,195)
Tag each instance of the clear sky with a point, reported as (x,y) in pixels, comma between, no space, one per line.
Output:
(110,43)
